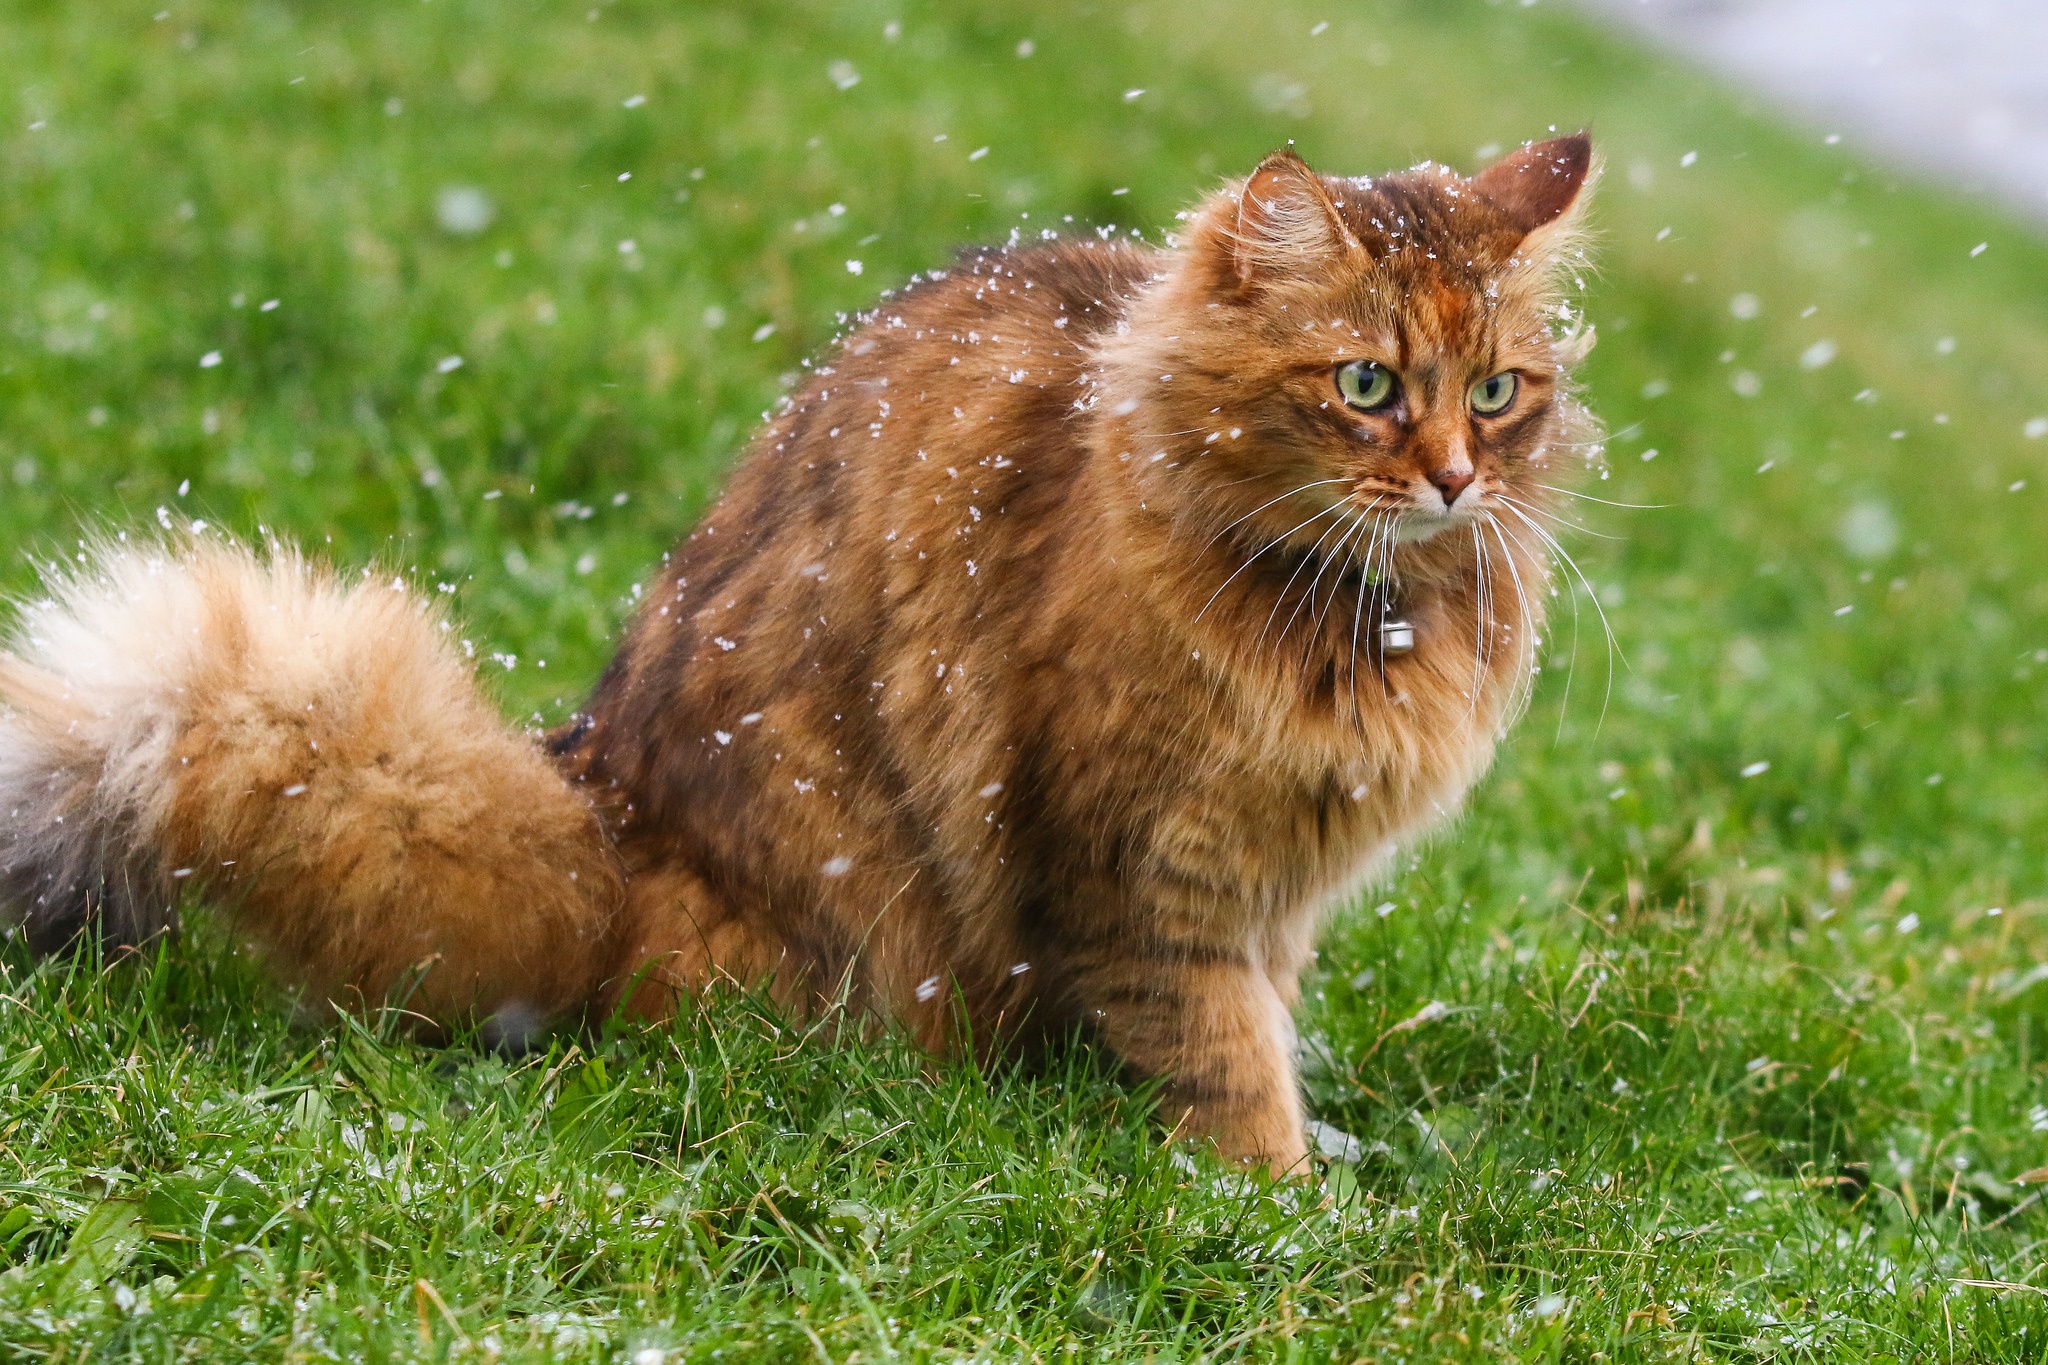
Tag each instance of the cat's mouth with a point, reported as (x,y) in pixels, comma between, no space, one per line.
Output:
(1414,527)
(1336,552)
(1418,523)
(1414,513)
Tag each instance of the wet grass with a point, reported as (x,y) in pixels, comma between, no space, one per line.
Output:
(1707,1034)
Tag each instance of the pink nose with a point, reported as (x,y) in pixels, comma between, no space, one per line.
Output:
(1451,482)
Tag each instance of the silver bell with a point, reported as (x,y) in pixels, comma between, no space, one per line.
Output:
(1396,636)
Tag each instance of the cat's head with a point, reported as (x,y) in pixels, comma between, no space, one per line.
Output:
(1391,348)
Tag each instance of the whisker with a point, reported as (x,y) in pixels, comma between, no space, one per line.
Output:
(1381,570)
(1482,620)
(1346,548)
(1596,443)
(1556,518)
(1308,644)
(1525,646)
(1525,619)
(1631,506)
(1363,563)
(1381,573)
(1349,550)
(1492,604)
(1281,600)
(1478,610)
(1309,598)
(1613,645)
(1264,505)
(1388,544)
(1262,549)
(1211,489)
(1571,667)
(1494,625)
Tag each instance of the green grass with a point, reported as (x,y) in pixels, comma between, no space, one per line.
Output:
(1732,1068)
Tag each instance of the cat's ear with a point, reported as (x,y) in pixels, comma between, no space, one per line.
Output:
(1545,183)
(1285,224)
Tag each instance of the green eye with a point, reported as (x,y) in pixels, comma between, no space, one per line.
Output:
(1366,386)
(1492,395)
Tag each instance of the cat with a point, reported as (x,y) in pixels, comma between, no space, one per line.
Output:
(1095,618)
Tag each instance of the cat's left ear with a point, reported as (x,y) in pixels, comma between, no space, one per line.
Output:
(1542,188)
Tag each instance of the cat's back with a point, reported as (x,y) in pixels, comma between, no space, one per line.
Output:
(1001,339)
(1059,293)
(933,445)
(908,494)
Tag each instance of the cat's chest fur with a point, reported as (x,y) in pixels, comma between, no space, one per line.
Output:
(1320,757)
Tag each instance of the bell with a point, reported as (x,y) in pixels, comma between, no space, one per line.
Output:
(1396,636)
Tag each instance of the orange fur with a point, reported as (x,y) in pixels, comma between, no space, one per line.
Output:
(1026,676)
(318,759)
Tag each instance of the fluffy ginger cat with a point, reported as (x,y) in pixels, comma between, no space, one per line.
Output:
(1091,622)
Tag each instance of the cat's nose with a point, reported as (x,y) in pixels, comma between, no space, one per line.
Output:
(1451,481)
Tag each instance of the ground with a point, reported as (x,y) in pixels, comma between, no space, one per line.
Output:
(1707,1033)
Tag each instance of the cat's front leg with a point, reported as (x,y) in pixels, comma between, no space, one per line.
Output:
(1210,1023)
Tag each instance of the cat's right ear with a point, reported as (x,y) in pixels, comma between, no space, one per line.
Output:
(1284,225)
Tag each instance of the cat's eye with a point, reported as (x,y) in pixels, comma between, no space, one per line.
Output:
(1367,386)
(1491,396)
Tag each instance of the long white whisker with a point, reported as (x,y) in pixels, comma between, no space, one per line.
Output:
(1342,554)
(1525,644)
(1482,619)
(1314,585)
(1613,645)
(1604,439)
(1235,483)
(1262,549)
(1358,611)
(1366,573)
(1571,666)
(1387,544)
(1492,622)
(1631,506)
(1382,574)
(1597,443)
(1553,516)
(1264,505)
(1556,518)
(1309,599)
(1573,565)
(1525,622)
(1339,525)
(1492,603)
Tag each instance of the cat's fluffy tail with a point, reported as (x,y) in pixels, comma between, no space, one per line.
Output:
(314,754)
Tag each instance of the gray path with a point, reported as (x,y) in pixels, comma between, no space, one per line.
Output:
(1958,88)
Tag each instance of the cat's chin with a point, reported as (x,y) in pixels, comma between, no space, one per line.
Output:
(1416,527)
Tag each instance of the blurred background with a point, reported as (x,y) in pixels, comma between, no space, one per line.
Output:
(1957,90)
